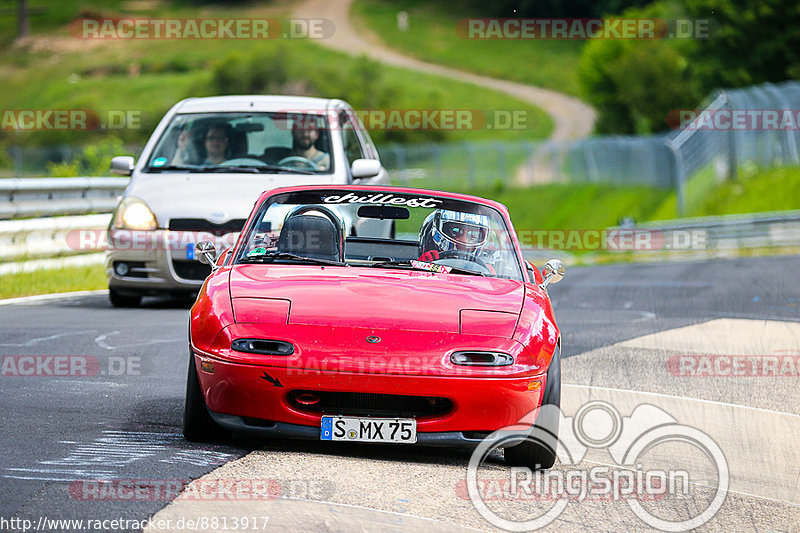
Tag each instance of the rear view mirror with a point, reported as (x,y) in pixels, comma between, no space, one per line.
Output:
(383,212)
(122,164)
(553,272)
(365,168)
(206,252)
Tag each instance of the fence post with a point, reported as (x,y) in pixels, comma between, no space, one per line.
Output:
(678,177)
(400,161)
(529,167)
(472,174)
(502,168)
(436,153)
(16,155)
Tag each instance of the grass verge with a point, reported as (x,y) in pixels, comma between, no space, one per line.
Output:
(67,279)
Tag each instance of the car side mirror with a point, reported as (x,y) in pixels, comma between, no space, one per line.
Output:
(553,272)
(206,253)
(123,165)
(365,168)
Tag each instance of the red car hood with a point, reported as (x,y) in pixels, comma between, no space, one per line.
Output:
(380,298)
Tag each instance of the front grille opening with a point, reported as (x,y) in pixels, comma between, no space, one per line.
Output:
(193,270)
(201,224)
(368,404)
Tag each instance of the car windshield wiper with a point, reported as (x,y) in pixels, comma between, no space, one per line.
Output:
(253,169)
(285,256)
(407,263)
(249,169)
(186,168)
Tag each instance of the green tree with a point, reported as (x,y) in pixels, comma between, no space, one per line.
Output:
(749,42)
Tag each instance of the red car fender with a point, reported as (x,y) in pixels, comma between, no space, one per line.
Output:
(212,311)
(536,328)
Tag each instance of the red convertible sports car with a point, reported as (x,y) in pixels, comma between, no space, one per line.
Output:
(317,325)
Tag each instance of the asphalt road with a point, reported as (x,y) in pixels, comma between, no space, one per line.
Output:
(122,422)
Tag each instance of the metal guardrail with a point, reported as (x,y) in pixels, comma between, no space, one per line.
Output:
(48,237)
(730,232)
(32,197)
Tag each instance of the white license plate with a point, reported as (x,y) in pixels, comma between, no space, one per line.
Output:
(402,430)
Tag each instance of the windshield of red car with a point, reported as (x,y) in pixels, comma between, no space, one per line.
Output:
(383,229)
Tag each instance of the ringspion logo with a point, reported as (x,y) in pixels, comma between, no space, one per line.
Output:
(628,440)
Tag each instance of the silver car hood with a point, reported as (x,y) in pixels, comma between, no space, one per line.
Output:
(219,197)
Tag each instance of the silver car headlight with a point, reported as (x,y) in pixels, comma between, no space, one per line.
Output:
(133,214)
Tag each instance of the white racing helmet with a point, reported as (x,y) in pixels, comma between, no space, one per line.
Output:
(445,230)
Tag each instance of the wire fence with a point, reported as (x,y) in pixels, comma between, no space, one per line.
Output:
(702,146)
(706,143)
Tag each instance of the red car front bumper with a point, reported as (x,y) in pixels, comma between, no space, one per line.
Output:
(253,392)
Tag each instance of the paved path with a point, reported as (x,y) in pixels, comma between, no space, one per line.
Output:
(572,118)
(632,337)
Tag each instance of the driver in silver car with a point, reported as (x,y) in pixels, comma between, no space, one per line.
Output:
(305,133)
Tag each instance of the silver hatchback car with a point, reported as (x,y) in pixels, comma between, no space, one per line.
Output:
(205,165)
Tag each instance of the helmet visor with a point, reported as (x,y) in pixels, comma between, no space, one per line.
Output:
(464,233)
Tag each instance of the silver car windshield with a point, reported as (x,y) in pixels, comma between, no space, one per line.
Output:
(380,229)
(244,142)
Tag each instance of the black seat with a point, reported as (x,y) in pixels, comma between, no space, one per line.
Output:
(310,236)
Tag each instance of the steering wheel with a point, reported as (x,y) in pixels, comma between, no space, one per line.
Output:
(297,159)
(464,256)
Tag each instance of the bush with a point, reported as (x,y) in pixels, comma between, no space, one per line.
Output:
(95,160)
(360,81)
(634,84)
(239,73)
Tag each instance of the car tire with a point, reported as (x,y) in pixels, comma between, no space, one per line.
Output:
(124,300)
(198,426)
(539,453)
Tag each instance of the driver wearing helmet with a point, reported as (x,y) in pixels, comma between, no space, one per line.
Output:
(452,233)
